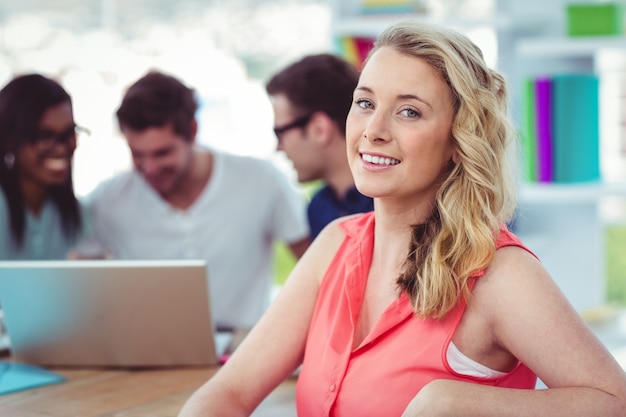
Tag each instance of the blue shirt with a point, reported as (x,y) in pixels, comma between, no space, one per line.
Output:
(325,207)
(44,237)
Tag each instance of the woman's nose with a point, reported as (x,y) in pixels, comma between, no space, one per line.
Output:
(377,128)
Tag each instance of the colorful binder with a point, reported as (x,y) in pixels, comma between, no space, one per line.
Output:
(576,128)
(543,116)
(528,132)
(355,49)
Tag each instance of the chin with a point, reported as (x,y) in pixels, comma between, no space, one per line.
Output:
(57,179)
(163,188)
(367,191)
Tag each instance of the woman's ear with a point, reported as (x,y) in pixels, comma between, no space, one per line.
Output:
(455,157)
(455,153)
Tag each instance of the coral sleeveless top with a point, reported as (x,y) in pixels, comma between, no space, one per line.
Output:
(401,354)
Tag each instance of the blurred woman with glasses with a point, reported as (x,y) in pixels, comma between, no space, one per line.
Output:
(41,215)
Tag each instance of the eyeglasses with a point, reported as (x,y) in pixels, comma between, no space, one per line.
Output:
(299,122)
(45,140)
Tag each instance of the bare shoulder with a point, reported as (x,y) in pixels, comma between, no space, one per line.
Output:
(502,301)
(530,318)
(511,294)
(512,287)
(512,268)
(521,302)
(322,250)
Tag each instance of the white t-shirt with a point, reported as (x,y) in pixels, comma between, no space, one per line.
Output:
(246,206)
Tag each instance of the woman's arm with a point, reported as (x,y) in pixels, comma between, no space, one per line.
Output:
(274,347)
(531,318)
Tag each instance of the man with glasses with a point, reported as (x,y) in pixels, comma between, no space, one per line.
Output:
(184,201)
(311,99)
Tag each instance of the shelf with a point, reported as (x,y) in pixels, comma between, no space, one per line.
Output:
(373,24)
(570,193)
(555,47)
(366,25)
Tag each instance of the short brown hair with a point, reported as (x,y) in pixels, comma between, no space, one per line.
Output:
(155,100)
(323,82)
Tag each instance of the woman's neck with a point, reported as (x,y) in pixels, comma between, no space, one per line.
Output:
(393,230)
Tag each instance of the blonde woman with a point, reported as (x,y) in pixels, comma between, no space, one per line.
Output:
(428,306)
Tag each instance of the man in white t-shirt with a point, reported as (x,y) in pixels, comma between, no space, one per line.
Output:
(183,201)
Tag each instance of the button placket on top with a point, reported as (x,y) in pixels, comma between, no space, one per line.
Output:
(186,225)
(354,291)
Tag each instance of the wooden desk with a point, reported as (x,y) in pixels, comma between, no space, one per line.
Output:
(121,393)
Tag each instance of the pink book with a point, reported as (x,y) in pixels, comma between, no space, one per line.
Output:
(363,47)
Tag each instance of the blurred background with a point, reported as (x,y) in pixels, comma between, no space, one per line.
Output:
(223,49)
(227,49)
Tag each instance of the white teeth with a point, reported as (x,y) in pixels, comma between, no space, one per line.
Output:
(378,160)
(56,163)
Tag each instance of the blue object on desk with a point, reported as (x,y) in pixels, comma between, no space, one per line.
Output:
(17,376)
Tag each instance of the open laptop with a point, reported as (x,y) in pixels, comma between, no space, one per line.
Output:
(108,313)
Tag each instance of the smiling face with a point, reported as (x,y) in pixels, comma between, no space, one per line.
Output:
(399,129)
(162,156)
(43,165)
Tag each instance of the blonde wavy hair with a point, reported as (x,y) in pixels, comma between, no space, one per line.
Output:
(478,193)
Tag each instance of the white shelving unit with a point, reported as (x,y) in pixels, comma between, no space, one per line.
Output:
(563,223)
(563,226)
(568,238)
(364,25)
(570,193)
(372,25)
(555,47)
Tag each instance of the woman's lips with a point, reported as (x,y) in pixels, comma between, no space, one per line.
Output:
(379,160)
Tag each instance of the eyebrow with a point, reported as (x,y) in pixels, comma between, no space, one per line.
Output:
(401,96)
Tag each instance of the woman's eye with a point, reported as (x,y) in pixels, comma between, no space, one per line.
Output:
(410,113)
(364,104)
